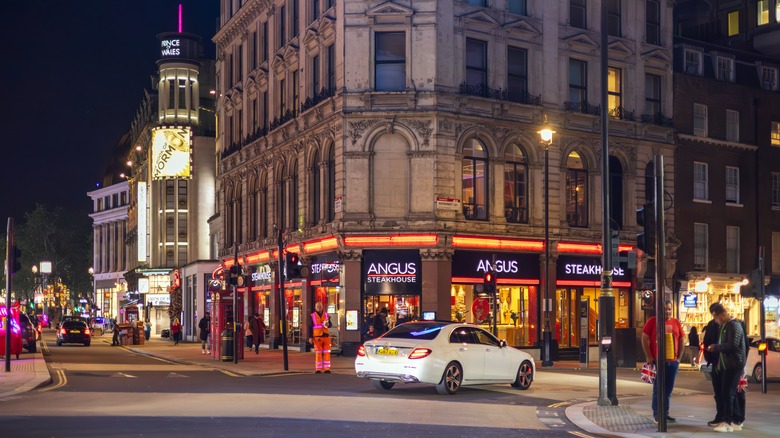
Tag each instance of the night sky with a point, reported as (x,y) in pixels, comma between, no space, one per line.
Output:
(72,78)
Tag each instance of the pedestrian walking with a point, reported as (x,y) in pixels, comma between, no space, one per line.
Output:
(147,329)
(711,332)
(672,360)
(115,337)
(248,332)
(320,338)
(258,331)
(693,344)
(176,331)
(379,325)
(205,329)
(731,363)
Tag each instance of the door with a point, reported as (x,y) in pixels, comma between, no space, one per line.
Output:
(498,366)
(469,353)
(566,318)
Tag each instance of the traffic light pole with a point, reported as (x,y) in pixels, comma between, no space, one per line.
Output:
(660,290)
(9,266)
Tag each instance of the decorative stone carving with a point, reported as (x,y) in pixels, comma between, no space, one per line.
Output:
(436,254)
(350,255)
(446,125)
(423,129)
(356,129)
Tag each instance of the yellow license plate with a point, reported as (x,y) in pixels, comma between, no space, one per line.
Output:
(387,351)
(75,331)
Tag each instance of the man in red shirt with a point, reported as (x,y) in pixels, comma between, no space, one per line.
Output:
(672,362)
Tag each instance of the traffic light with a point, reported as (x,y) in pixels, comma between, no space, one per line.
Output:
(489,281)
(15,264)
(762,348)
(645,236)
(235,276)
(754,286)
(291,265)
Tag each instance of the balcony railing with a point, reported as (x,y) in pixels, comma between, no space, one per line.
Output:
(658,119)
(482,90)
(279,121)
(313,101)
(516,215)
(622,114)
(582,107)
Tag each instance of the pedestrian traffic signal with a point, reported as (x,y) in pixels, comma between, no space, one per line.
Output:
(236,277)
(16,259)
(645,236)
(292,265)
(489,282)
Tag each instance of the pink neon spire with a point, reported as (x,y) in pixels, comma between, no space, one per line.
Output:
(179,17)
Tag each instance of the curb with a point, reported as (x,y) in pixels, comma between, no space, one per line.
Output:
(577,416)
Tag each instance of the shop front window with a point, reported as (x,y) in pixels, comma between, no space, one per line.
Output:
(516,320)
(400,308)
(294,313)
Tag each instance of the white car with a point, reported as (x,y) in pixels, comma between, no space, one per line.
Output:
(448,355)
(753,366)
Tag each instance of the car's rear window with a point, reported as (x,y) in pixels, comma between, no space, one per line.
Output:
(74,324)
(412,330)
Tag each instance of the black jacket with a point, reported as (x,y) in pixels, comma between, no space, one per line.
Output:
(711,337)
(205,327)
(732,348)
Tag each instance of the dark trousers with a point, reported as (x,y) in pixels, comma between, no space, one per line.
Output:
(249,341)
(729,405)
(716,376)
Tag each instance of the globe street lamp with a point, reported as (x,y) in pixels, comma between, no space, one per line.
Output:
(546,135)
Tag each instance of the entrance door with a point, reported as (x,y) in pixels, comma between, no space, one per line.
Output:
(566,318)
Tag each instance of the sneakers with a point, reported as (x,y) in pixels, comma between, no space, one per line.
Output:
(668,419)
(736,426)
(724,427)
(203,352)
(714,423)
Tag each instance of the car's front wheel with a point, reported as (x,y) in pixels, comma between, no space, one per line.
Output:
(525,376)
(451,379)
(758,373)
(381,384)
(32,347)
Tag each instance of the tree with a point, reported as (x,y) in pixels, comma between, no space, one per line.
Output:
(59,236)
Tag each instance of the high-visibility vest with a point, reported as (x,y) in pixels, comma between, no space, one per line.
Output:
(319,324)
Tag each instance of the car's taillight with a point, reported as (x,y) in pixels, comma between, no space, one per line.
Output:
(86,331)
(361,351)
(62,330)
(419,353)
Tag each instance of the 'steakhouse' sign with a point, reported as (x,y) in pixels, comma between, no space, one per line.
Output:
(396,272)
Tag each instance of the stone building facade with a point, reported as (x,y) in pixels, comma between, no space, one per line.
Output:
(395,146)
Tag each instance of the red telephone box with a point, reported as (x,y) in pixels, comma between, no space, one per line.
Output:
(222,318)
(16,331)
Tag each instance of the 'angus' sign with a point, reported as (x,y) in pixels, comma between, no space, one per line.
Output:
(392,272)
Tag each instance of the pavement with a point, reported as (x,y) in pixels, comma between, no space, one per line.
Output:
(632,417)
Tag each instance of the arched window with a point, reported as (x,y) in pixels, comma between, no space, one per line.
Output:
(239,209)
(252,210)
(615,193)
(293,215)
(475,180)
(229,237)
(576,191)
(316,187)
(331,199)
(515,186)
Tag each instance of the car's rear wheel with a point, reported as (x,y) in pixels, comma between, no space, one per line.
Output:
(451,379)
(758,373)
(381,384)
(86,344)
(525,376)
(59,343)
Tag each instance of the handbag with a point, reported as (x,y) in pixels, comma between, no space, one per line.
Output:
(648,372)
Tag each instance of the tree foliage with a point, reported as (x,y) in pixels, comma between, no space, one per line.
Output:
(59,236)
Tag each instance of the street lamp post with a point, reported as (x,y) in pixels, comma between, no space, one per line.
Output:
(546,135)
(93,305)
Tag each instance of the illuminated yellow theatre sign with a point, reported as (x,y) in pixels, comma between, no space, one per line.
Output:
(171,153)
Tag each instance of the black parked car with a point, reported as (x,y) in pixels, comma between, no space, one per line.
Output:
(29,333)
(74,332)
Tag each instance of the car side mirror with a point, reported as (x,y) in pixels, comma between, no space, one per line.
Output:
(502,343)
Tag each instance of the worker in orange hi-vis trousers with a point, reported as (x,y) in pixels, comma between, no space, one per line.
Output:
(320,322)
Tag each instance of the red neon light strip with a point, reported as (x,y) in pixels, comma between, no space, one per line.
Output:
(396,240)
(258,257)
(472,280)
(320,245)
(590,283)
(495,243)
(587,248)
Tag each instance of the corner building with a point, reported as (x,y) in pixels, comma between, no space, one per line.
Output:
(395,146)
